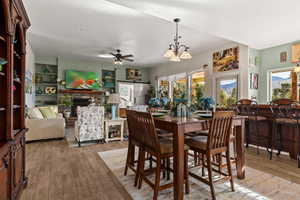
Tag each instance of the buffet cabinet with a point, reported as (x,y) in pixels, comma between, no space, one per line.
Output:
(13,26)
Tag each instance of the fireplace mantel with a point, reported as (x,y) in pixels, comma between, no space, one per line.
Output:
(88,92)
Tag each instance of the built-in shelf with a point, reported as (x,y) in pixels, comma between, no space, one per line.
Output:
(2,39)
(2,109)
(2,74)
(47,84)
(46,95)
(41,73)
(46,76)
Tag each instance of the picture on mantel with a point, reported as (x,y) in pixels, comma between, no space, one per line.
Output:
(226,60)
(133,75)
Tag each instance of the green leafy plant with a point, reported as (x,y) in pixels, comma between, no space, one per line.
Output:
(66,101)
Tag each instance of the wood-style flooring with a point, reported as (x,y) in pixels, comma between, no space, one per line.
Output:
(57,171)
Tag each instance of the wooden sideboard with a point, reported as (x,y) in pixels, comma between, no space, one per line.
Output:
(13,26)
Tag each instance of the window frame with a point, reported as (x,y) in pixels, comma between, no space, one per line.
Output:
(270,90)
(227,77)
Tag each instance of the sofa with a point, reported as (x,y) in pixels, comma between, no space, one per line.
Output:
(44,123)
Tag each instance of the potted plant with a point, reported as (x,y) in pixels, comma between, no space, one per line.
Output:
(67,102)
(207,103)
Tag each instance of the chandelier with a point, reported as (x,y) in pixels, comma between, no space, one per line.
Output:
(173,53)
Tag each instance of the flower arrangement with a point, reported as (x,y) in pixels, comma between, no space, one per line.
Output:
(207,103)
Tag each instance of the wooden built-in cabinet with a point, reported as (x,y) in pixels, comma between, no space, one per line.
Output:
(13,26)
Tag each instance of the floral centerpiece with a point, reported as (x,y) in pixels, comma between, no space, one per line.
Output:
(207,103)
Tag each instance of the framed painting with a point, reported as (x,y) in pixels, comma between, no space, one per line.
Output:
(133,75)
(226,60)
(283,57)
(253,81)
(295,53)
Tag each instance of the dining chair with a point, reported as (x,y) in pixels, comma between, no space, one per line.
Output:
(159,148)
(248,107)
(218,158)
(216,143)
(284,114)
(132,144)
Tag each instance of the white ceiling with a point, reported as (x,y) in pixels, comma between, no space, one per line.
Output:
(84,29)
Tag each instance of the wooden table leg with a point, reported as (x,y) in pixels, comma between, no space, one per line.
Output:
(178,142)
(240,149)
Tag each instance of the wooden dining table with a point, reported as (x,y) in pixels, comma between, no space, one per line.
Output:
(179,127)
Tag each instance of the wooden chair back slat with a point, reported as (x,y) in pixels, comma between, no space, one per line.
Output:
(131,124)
(147,132)
(220,130)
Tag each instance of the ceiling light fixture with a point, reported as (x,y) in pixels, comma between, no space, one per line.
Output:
(118,62)
(173,53)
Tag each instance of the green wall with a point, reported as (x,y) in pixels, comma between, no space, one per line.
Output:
(270,60)
(92,66)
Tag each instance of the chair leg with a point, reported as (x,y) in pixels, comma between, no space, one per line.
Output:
(257,136)
(137,175)
(298,158)
(141,168)
(203,163)
(229,169)
(128,158)
(195,158)
(164,167)
(219,158)
(168,168)
(209,169)
(186,172)
(157,178)
(234,153)
(151,162)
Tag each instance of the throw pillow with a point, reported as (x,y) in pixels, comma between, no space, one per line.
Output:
(54,109)
(47,113)
(35,113)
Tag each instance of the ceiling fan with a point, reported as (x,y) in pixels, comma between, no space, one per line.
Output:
(118,57)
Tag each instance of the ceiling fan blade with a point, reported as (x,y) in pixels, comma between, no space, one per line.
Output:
(115,55)
(127,56)
(127,59)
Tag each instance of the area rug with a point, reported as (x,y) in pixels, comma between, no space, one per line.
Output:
(257,184)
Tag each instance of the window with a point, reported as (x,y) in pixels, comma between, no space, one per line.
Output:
(281,84)
(197,90)
(163,88)
(180,90)
(227,91)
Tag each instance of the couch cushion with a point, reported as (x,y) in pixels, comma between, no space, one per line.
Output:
(54,109)
(47,113)
(35,113)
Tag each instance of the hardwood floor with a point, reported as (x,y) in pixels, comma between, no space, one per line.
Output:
(57,171)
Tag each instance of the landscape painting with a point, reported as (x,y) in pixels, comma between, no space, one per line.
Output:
(226,60)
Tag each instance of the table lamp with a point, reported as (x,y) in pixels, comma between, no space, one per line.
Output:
(113,99)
